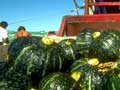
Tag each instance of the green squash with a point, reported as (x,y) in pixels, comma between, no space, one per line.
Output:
(58,81)
(39,60)
(83,41)
(18,44)
(113,82)
(113,77)
(15,81)
(3,69)
(87,75)
(111,33)
(70,47)
(106,46)
(3,66)
(94,75)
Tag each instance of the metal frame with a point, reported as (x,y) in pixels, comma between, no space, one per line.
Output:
(89,3)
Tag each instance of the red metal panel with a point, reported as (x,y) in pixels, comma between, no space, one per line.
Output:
(62,27)
(97,17)
(72,25)
(104,4)
(86,9)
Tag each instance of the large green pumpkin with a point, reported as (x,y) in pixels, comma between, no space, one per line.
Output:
(83,41)
(18,44)
(93,75)
(15,81)
(113,82)
(85,72)
(37,61)
(3,68)
(70,47)
(58,81)
(113,76)
(106,46)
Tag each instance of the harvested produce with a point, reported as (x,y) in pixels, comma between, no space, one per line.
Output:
(87,75)
(18,44)
(58,81)
(36,61)
(106,46)
(84,40)
(15,81)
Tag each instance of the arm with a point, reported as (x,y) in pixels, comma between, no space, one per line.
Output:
(29,34)
(16,36)
(5,37)
(6,40)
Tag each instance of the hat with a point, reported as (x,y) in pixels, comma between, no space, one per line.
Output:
(3,24)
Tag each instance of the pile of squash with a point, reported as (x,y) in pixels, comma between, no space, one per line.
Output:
(89,62)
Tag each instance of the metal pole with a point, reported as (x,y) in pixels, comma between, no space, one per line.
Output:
(86,9)
(76,6)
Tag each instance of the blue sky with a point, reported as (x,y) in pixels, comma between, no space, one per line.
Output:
(36,15)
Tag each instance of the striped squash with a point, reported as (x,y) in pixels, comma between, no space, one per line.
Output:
(17,45)
(58,81)
(70,48)
(106,46)
(15,81)
(83,41)
(37,61)
(85,72)
(113,77)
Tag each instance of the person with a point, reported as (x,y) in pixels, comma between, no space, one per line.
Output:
(51,33)
(3,33)
(53,36)
(22,32)
(100,9)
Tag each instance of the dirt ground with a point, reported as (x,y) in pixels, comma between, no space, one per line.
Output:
(3,52)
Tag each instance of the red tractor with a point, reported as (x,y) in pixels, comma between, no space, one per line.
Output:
(98,14)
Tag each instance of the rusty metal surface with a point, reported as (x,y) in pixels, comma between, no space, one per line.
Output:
(72,25)
(62,27)
(75,28)
(96,17)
